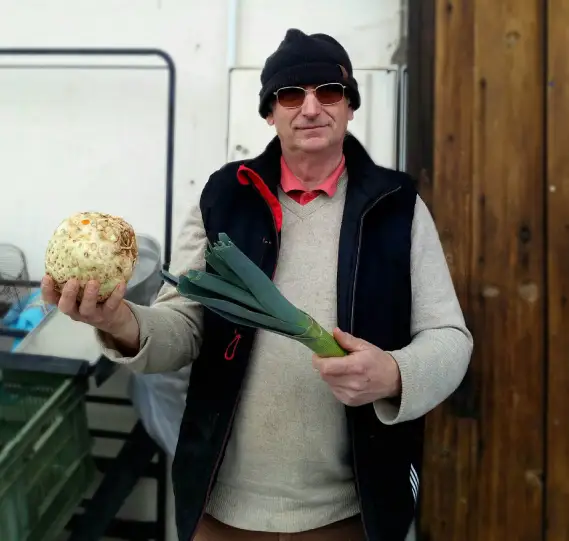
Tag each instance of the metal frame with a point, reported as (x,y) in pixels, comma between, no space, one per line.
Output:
(171,105)
(402,119)
(135,458)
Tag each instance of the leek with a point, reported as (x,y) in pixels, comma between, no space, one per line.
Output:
(242,293)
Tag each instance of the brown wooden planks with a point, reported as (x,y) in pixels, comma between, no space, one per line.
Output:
(558,271)
(509,252)
(450,467)
(484,450)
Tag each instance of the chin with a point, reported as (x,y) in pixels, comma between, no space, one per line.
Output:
(313,144)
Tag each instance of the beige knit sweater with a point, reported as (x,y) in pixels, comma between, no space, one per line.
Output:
(285,467)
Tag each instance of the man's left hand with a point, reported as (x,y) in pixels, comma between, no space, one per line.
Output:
(365,375)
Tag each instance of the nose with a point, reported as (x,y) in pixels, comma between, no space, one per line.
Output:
(311,106)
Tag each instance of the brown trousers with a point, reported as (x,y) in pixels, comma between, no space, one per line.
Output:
(345,530)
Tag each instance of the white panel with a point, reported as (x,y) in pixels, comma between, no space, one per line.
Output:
(247,133)
(80,139)
(374,122)
(368,29)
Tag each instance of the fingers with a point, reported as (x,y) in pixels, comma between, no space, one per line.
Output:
(349,342)
(89,310)
(334,368)
(88,306)
(348,383)
(349,398)
(338,366)
(68,300)
(114,301)
(48,293)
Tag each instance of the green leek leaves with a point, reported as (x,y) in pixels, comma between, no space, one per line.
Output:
(243,294)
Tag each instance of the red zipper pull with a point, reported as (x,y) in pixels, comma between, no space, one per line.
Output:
(232,346)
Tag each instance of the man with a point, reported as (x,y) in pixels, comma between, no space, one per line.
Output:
(272,444)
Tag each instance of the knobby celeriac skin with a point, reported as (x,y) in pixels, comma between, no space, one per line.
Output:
(92,246)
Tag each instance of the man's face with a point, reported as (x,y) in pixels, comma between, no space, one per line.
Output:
(311,118)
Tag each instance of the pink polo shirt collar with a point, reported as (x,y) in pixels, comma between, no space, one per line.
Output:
(292,186)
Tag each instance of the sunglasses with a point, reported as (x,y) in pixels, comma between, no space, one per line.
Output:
(291,97)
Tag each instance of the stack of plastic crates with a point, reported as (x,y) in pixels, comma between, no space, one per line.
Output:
(45,454)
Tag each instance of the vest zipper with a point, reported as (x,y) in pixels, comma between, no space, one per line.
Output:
(234,343)
(227,432)
(277,242)
(368,208)
(217,463)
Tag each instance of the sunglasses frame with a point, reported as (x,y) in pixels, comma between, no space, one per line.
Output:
(307,91)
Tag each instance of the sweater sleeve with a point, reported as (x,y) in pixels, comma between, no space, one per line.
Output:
(170,329)
(435,362)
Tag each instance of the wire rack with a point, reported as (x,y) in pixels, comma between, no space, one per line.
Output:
(13,277)
(134,461)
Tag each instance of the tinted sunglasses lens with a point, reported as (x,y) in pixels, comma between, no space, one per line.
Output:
(291,97)
(330,93)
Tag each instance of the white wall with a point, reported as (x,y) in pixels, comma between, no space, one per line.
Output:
(198,36)
(195,34)
(192,32)
(368,29)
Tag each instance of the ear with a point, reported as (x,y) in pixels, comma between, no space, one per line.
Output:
(350,113)
(270,119)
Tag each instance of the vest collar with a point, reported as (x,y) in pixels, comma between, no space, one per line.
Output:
(363,173)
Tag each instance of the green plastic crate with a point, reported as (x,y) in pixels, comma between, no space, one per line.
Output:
(45,454)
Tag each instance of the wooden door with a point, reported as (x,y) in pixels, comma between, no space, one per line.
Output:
(557,194)
(485,453)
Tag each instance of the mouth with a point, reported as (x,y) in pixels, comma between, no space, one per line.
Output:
(307,128)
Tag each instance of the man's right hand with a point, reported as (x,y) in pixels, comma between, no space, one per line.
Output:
(112,316)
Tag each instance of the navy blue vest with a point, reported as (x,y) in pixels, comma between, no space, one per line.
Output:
(374,303)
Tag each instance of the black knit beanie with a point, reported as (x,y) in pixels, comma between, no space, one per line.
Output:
(303,59)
